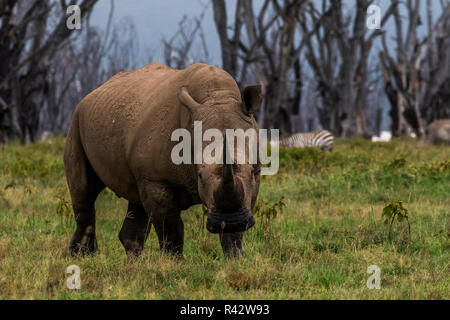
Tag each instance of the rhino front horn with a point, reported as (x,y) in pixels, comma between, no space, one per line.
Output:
(227,169)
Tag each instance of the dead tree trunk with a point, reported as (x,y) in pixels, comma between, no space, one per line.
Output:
(27,48)
(418,70)
(338,55)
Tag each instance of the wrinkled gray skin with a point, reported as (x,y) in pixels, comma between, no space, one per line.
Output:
(438,132)
(120,138)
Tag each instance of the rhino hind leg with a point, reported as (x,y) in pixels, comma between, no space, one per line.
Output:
(84,186)
(135,230)
(231,244)
(84,240)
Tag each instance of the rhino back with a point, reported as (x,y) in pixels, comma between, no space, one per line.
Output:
(108,119)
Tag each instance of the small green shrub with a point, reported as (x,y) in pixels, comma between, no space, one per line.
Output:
(268,211)
(396,210)
(64,205)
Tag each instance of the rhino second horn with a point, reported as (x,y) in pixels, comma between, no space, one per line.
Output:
(186,99)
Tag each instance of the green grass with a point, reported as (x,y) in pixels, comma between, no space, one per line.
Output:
(318,247)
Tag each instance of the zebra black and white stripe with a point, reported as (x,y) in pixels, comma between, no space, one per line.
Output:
(322,139)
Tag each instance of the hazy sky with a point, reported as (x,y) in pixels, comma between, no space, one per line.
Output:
(155,19)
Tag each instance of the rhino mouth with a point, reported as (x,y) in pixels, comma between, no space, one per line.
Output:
(239,221)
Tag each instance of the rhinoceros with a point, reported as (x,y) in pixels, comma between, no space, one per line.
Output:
(438,132)
(120,138)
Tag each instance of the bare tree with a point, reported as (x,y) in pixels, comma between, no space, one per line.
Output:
(418,73)
(267,52)
(436,74)
(178,49)
(229,45)
(29,40)
(84,64)
(338,55)
(273,50)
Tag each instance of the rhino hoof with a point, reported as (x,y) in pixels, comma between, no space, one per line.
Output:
(84,246)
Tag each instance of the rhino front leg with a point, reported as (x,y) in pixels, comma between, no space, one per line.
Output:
(135,230)
(231,244)
(160,201)
(170,230)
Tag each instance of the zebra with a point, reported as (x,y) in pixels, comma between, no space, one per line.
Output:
(322,139)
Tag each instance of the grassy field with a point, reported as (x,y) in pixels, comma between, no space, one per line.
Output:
(318,247)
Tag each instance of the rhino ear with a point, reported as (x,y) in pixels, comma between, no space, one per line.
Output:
(186,99)
(251,98)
